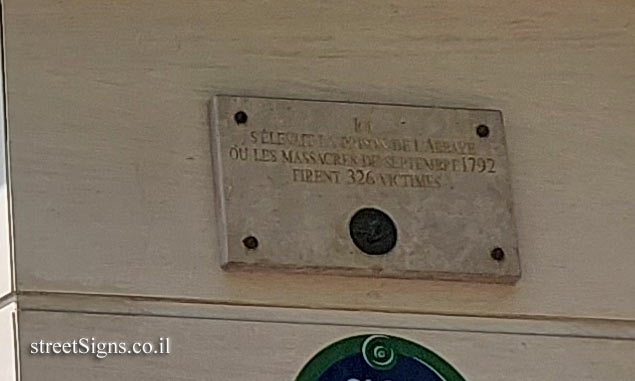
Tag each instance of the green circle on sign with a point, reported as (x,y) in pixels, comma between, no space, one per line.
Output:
(383,356)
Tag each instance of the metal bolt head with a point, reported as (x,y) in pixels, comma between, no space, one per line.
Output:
(250,242)
(240,117)
(498,254)
(373,231)
(482,131)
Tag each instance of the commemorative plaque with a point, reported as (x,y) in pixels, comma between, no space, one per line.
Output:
(363,189)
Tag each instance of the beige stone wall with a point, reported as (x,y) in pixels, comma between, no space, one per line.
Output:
(8,342)
(273,344)
(6,254)
(112,180)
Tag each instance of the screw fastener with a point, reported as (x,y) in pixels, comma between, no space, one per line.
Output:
(482,131)
(498,254)
(251,242)
(240,117)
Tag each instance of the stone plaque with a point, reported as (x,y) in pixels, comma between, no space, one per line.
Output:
(363,189)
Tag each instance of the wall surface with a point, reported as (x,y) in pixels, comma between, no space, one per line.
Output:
(110,143)
(6,254)
(113,190)
(8,341)
(247,343)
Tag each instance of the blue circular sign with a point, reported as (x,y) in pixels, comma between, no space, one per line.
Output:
(377,358)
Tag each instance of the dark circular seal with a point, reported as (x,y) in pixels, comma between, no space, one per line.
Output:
(373,231)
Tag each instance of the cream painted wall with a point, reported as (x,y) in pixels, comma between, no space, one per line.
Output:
(8,358)
(110,144)
(260,343)
(112,182)
(6,260)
